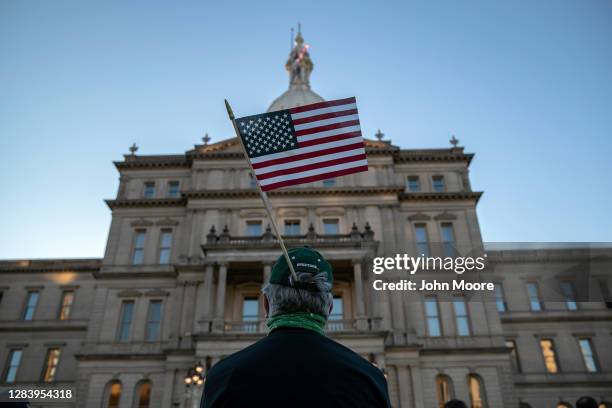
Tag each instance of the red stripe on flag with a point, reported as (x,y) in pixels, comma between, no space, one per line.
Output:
(312,166)
(326,127)
(318,177)
(328,139)
(320,105)
(308,155)
(324,116)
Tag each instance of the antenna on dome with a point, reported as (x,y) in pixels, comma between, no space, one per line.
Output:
(291,43)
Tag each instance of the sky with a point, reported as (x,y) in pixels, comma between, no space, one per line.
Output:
(525,85)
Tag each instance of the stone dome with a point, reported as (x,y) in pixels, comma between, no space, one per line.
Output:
(299,66)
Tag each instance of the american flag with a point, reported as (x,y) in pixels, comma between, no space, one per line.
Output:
(304,144)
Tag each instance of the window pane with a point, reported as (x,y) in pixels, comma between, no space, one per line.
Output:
(414,184)
(443,389)
(587,355)
(337,311)
(253,228)
(66,307)
(51,363)
(461,317)
(114,395)
(534,297)
(499,298)
(433,321)
(292,227)
(250,309)
(476,391)
(154,320)
(165,247)
(420,231)
(144,395)
(149,190)
(139,241)
(127,309)
(31,303)
(438,184)
(448,239)
(330,227)
(548,352)
(13,365)
(567,288)
(173,189)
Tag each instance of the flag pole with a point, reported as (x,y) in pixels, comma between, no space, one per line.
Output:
(264,196)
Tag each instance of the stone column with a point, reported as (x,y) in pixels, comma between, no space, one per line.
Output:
(362,323)
(267,272)
(218,325)
(403,381)
(205,295)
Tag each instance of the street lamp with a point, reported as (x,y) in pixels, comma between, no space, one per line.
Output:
(195,375)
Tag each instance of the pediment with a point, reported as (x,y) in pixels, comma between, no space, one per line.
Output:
(167,222)
(445,216)
(129,293)
(157,293)
(419,217)
(141,222)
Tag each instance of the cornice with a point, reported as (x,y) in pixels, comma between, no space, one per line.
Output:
(193,194)
(445,196)
(51,265)
(421,155)
(148,162)
(146,202)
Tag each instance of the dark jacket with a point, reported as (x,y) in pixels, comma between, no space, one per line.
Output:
(294,367)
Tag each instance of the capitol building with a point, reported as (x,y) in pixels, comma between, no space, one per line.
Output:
(189,247)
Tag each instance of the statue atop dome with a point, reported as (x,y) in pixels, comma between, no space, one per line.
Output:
(299,66)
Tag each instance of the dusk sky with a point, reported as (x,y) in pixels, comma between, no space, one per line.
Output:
(525,85)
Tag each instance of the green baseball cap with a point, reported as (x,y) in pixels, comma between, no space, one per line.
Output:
(305,260)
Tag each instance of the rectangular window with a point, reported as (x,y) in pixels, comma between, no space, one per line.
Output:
(153,320)
(534,297)
(30,308)
(433,317)
(165,246)
(329,182)
(331,226)
(125,320)
(337,312)
(569,295)
(414,184)
(422,239)
(500,300)
(173,189)
(586,348)
(250,309)
(66,305)
(438,184)
(516,363)
(461,316)
(139,243)
(550,358)
(12,365)
(149,189)
(253,228)
(448,239)
(51,362)
(292,227)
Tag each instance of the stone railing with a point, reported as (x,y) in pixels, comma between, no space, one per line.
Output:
(311,238)
(343,325)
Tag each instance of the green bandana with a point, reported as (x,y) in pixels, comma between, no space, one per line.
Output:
(303,320)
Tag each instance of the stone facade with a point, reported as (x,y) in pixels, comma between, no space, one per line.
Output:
(189,249)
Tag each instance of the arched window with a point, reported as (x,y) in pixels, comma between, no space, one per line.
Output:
(477,391)
(142,396)
(444,389)
(605,404)
(112,394)
(564,405)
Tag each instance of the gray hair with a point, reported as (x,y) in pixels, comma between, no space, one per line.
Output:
(284,299)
